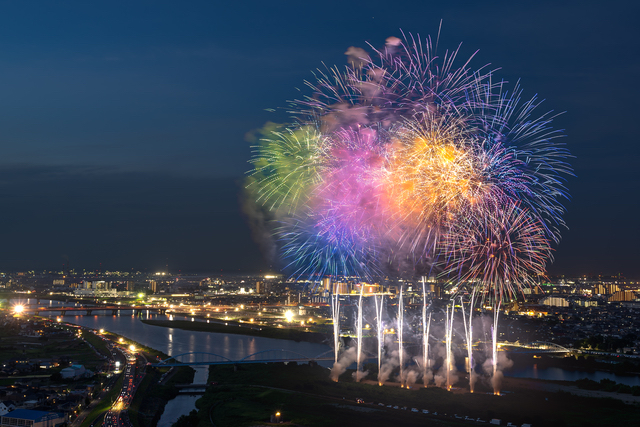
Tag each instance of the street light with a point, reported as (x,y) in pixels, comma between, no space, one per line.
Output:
(18,309)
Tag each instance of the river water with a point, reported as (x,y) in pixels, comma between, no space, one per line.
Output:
(565,375)
(185,403)
(173,341)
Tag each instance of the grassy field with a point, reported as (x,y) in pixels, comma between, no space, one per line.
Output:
(249,395)
(13,346)
(235,328)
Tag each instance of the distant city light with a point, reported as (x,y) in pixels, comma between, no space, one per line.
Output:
(288,315)
(17,309)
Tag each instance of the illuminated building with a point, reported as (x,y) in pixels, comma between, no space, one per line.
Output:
(555,301)
(605,289)
(622,296)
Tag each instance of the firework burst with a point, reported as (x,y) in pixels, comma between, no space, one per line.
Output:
(403,153)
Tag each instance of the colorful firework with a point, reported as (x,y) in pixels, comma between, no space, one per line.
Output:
(401,154)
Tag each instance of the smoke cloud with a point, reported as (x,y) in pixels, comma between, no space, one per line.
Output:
(357,56)
(346,359)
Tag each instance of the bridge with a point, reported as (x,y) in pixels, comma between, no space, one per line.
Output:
(88,310)
(265,356)
(537,347)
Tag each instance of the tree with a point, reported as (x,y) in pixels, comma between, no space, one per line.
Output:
(190,420)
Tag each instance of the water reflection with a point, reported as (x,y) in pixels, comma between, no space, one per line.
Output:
(564,375)
(173,341)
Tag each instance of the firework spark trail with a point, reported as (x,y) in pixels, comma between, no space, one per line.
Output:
(448,338)
(359,337)
(380,331)
(400,323)
(425,336)
(468,328)
(494,336)
(335,314)
(500,250)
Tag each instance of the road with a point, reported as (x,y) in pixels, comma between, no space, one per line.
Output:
(118,415)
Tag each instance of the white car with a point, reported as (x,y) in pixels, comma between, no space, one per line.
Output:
(425,411)
(414,409)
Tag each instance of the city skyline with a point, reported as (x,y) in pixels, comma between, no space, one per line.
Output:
(124,135)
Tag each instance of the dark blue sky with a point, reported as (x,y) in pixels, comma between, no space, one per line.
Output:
(122,125)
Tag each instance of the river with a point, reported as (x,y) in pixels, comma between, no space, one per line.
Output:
(185,403)
(532,371)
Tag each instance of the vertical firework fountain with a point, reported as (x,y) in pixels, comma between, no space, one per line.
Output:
(448,336)
(400,321)
(335,314)
(494,336)
(359,336)
(468,327)
(380,331)
(425,337)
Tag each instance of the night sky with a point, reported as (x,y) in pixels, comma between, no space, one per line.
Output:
(123,124)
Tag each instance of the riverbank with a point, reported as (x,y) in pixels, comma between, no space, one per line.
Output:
(304,395)
(241,329)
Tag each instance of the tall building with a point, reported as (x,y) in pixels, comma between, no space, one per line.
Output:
(605,289)
(326,283)
(623,296)
(341,288)
(555,301)
(262,287)
(153,286)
